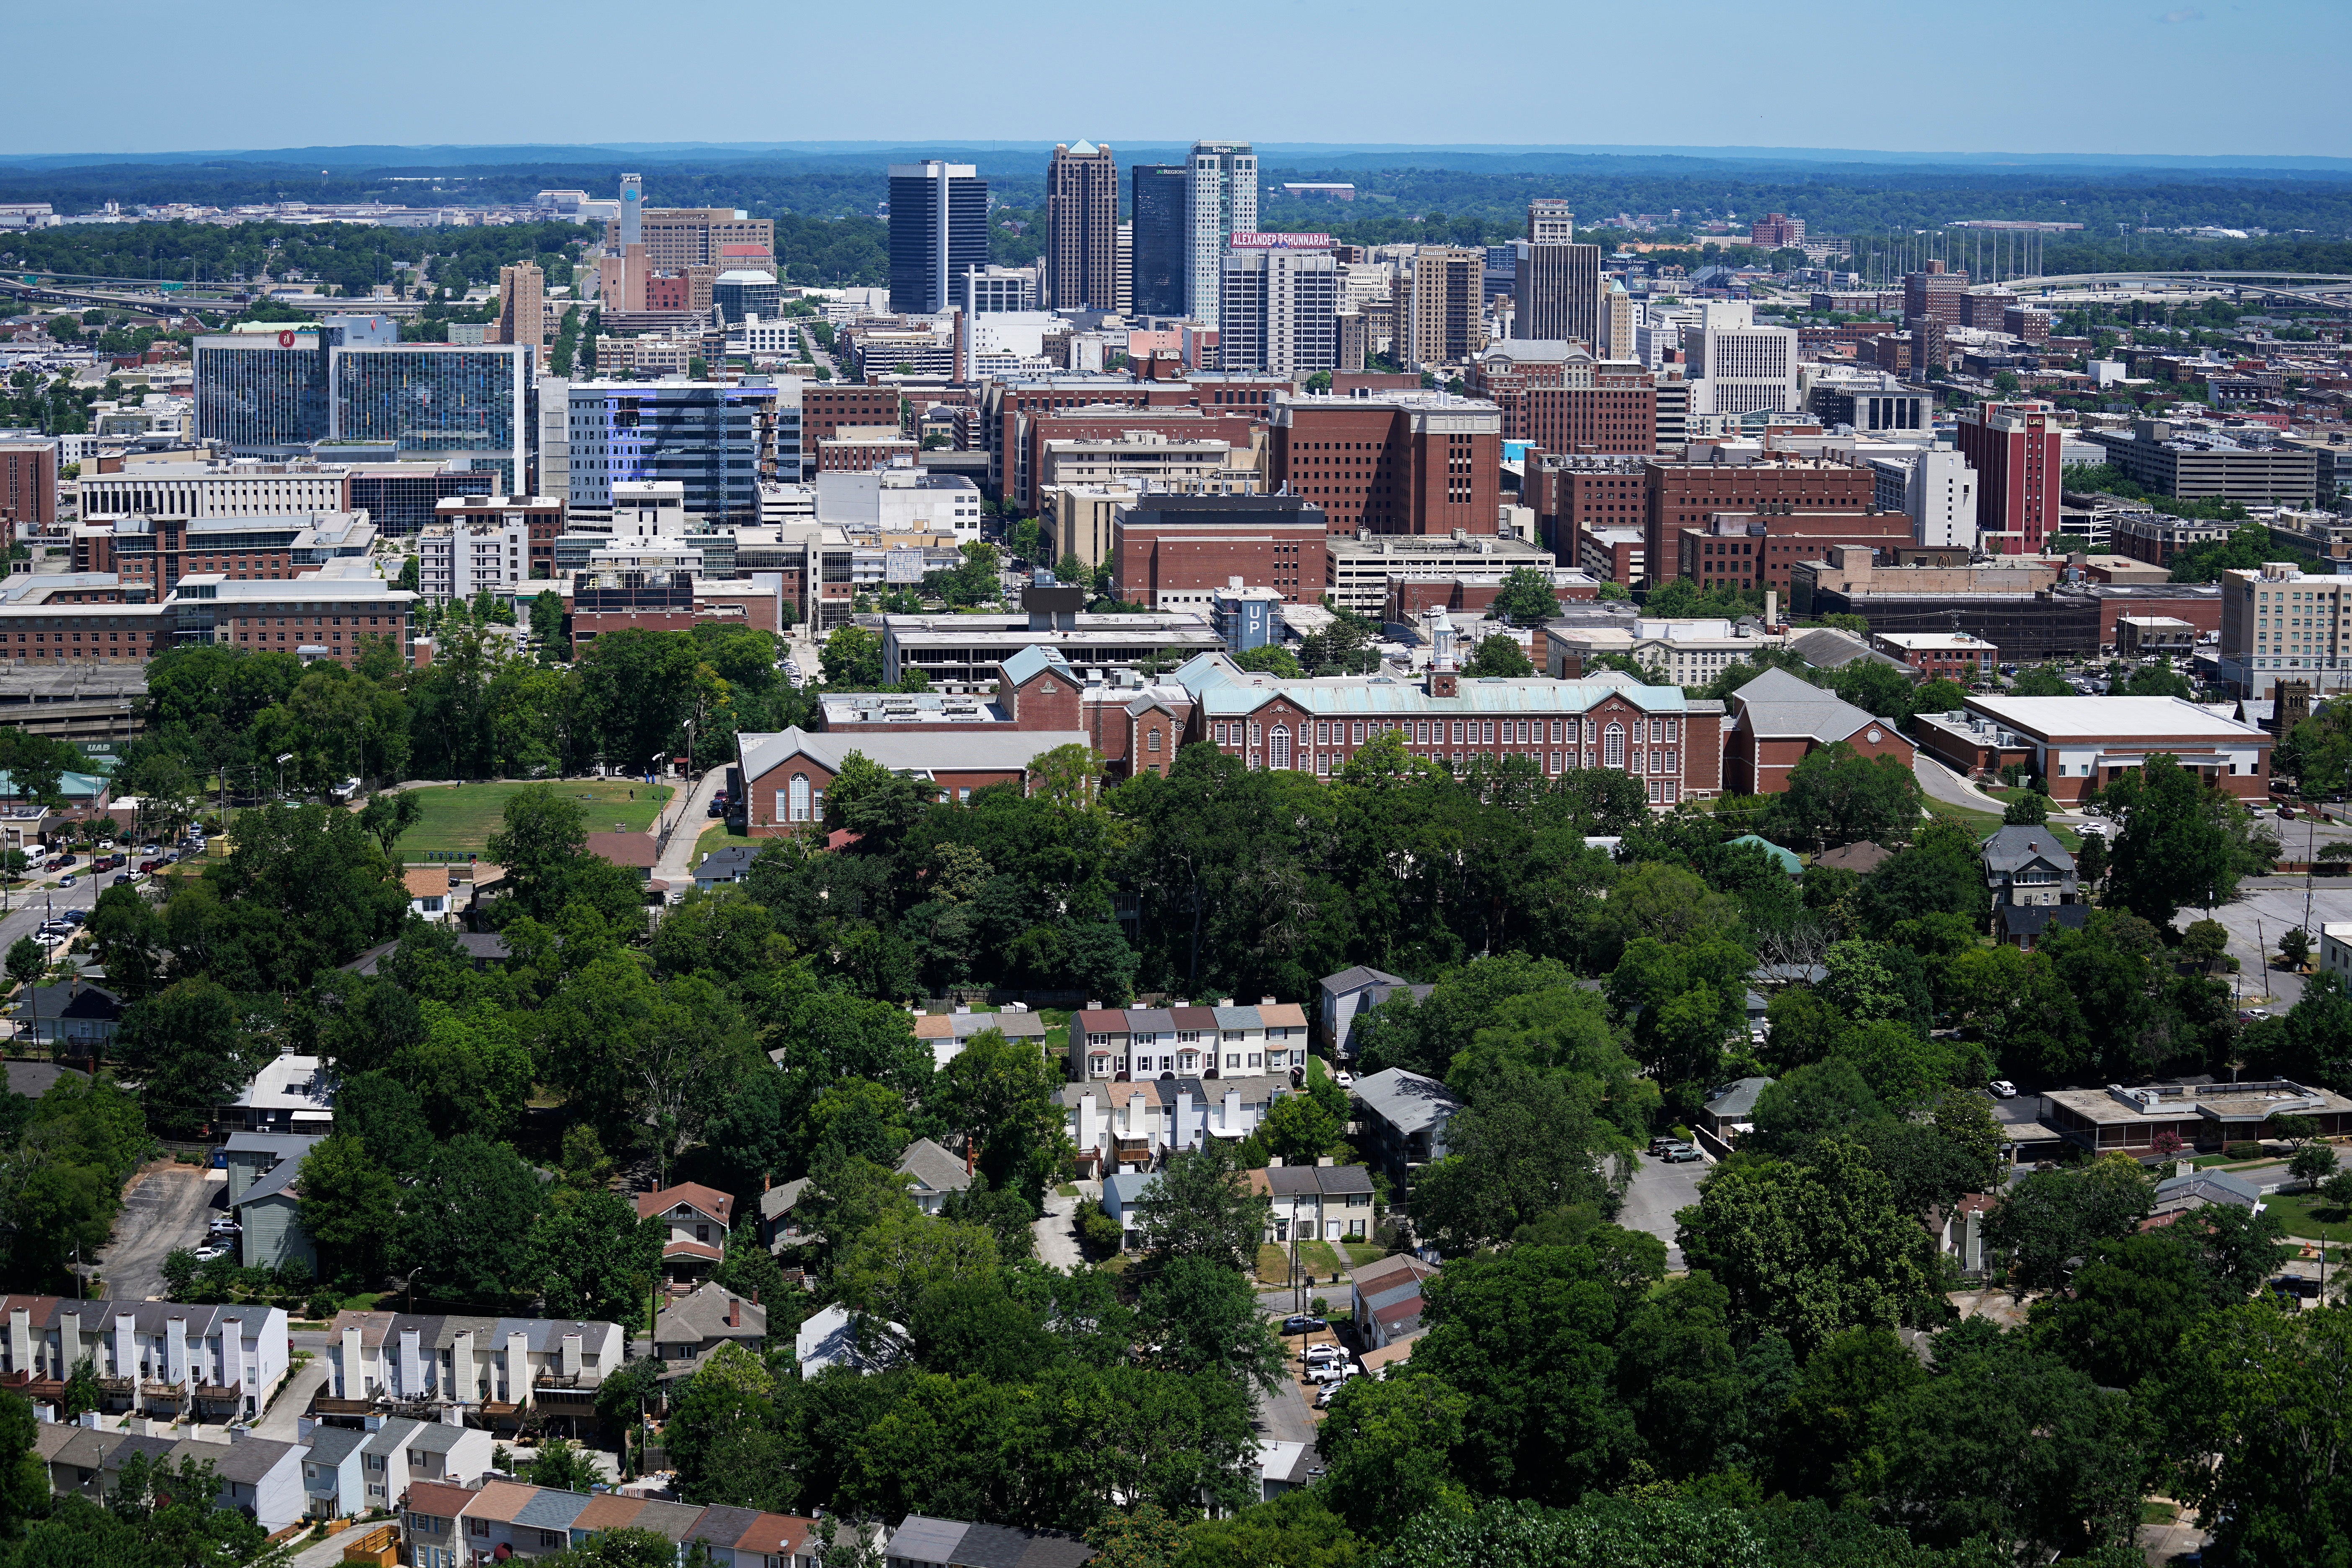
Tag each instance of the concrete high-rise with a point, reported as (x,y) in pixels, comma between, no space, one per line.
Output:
(1556,291)
(939,227)
(631,218)
(1123,271)
(1550,222)
(2013,447)
(1278,309)
(1155,206)
(1081,228)
(1220,201)
(522,309)
(1738,368)
(1441,315)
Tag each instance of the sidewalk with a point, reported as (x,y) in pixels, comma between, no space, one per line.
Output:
(676,864)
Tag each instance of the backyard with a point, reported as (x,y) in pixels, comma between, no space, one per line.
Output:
(459,818)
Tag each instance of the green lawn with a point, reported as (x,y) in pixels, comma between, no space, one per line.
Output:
(2299,1212)
(718,836)
(460,819)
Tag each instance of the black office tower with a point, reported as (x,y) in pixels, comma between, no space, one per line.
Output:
(1158,212)
(939,227)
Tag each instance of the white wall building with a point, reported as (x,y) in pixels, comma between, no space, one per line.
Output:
(467,556)
(1736,366)
(1941,497)
(1279,311)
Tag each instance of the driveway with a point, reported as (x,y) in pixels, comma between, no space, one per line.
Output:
(1057,1231)
(167,1207)
(1656,1191)
(294,1396)
(676,864)
(1942,784)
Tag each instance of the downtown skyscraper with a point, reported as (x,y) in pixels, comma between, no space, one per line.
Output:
(1082,229)
(1156,208)
(1220,201)
(939,228)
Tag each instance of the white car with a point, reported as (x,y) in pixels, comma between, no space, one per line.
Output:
(1344,1079)
(2003,1090)
(209,1251)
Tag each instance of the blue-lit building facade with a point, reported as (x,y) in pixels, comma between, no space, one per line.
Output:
(438,400)
(716,439)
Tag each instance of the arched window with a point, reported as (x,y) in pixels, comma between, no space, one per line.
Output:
(1278,748)
(1151,738)
(1613,751)
(799,811)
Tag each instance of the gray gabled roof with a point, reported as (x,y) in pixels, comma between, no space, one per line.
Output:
(1357,978)
(333,1444)
(1406,1100)
(1780,705)
(278,1180)
(1826,648)
(933,1168)
(2213,1186)
(2018,846)
(922,1540)
(1737,1101)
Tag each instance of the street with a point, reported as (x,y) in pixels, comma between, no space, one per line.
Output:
(2264,909)
(1057,1229)
(1656,1191)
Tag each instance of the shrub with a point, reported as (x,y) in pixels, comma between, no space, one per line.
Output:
(1097,1231)
(323,1304)
(2244,1150)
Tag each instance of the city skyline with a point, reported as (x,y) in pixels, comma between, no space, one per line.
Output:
(1732,80)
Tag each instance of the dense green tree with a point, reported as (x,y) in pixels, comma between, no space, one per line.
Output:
(2053,1219)
(1388,1448)
(591,1257)
(188,1049)
(349,1206)
(1499,655)
(1524,1145)
(1526,597)
(465,1227)
(1202,1206)
(2178,841)
(1837,795)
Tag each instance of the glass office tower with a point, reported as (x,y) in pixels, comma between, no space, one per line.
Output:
(716,439)
(264,393)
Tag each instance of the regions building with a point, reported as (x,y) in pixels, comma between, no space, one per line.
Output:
(2078,744)
(1316,725)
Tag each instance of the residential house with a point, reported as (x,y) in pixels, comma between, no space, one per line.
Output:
(507,1520)
(160,1358)
(270,1211)
(1133,1125)
(1404,1117)
(250,1156)
(1121,1194)
(503,1520)
(746,1538)
(673,1521)
(84,1461)
(332,1477)
(1729,1110)
(1351,993)
(289,1094)
(73,1018)
(698,1217)
(1963,1233)
(947,1032)
(428,892)
(724,866)
(692,1327)
(1187,1041)
(493,1368)
(2194,1190)
(1384,1299)
(428,1525)
(1778,719)
(777,1228)
(934,1175)
(923,1543)
(483,949)
(258,1477)
(1322,1202)
(834,1337)
(1786,859)
(1285,1467)
(2033,883)
(1861,858)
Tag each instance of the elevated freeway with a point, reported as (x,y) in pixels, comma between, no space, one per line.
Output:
(2326,290)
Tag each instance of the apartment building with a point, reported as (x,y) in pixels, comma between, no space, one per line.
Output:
(1405,462)
(152,1358)
(467,555)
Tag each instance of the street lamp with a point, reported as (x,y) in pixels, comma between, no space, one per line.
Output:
(283,758)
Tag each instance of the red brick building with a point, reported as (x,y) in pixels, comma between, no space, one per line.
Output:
(2013,447)
(1008,408)
(1570,493)
(1778,719)
(28,482)
(1936,293)
(1408,463)
(1171,552)
(1618,413)
(826,406)
(1747,551)
(1684,495)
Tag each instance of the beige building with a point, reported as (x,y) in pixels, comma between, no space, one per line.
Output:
(679,237)
(1441,306)
(1690,653)
(1148,459)
(522,308)
(1077,521)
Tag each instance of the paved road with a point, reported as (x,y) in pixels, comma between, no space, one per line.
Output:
(277,1422)
(167,1207)
(676,864)
(1057,1229)
(2262,911)
(1656,1191)
(1942,784)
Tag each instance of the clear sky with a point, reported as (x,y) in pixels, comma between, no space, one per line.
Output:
(2219,77)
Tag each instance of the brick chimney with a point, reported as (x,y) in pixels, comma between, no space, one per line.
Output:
(734,1312)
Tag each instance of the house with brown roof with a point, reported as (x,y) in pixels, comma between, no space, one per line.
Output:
(1384,1297)
(428,892)
(698,1217)
(696,1324)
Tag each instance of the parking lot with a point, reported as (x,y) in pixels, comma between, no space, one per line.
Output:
(2255,920)
(167,1208)
(1656,1191)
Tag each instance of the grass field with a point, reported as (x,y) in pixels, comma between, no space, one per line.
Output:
(460,819)
(717,836)
(2299,1212)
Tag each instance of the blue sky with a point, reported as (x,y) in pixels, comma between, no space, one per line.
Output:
(2035,75)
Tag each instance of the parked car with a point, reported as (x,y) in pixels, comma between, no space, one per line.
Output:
(2287,812)
(209,1251)
(1331,1390)
(2003,1090)
(2295,1285)
(150,864)
(1662,1142)
(1332,1372)
(1344,1079)
(1303,1325)
(2248,1015)
(1680,1154)
(121,878)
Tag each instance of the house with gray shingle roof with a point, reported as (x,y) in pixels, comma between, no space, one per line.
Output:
(1778,719)
(1407,1116)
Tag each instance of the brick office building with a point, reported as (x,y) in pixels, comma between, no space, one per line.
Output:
(1172,553)
(1572,493)
(28,482)
(1236,427)
(2014,449)
(1618,413)
(826,406)
(1748,550)
(1407,463)
(1937,294)
(1687,495)
(1008,410)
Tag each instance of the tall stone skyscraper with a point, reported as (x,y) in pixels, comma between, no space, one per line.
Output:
(1082,229)
(1219,201)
